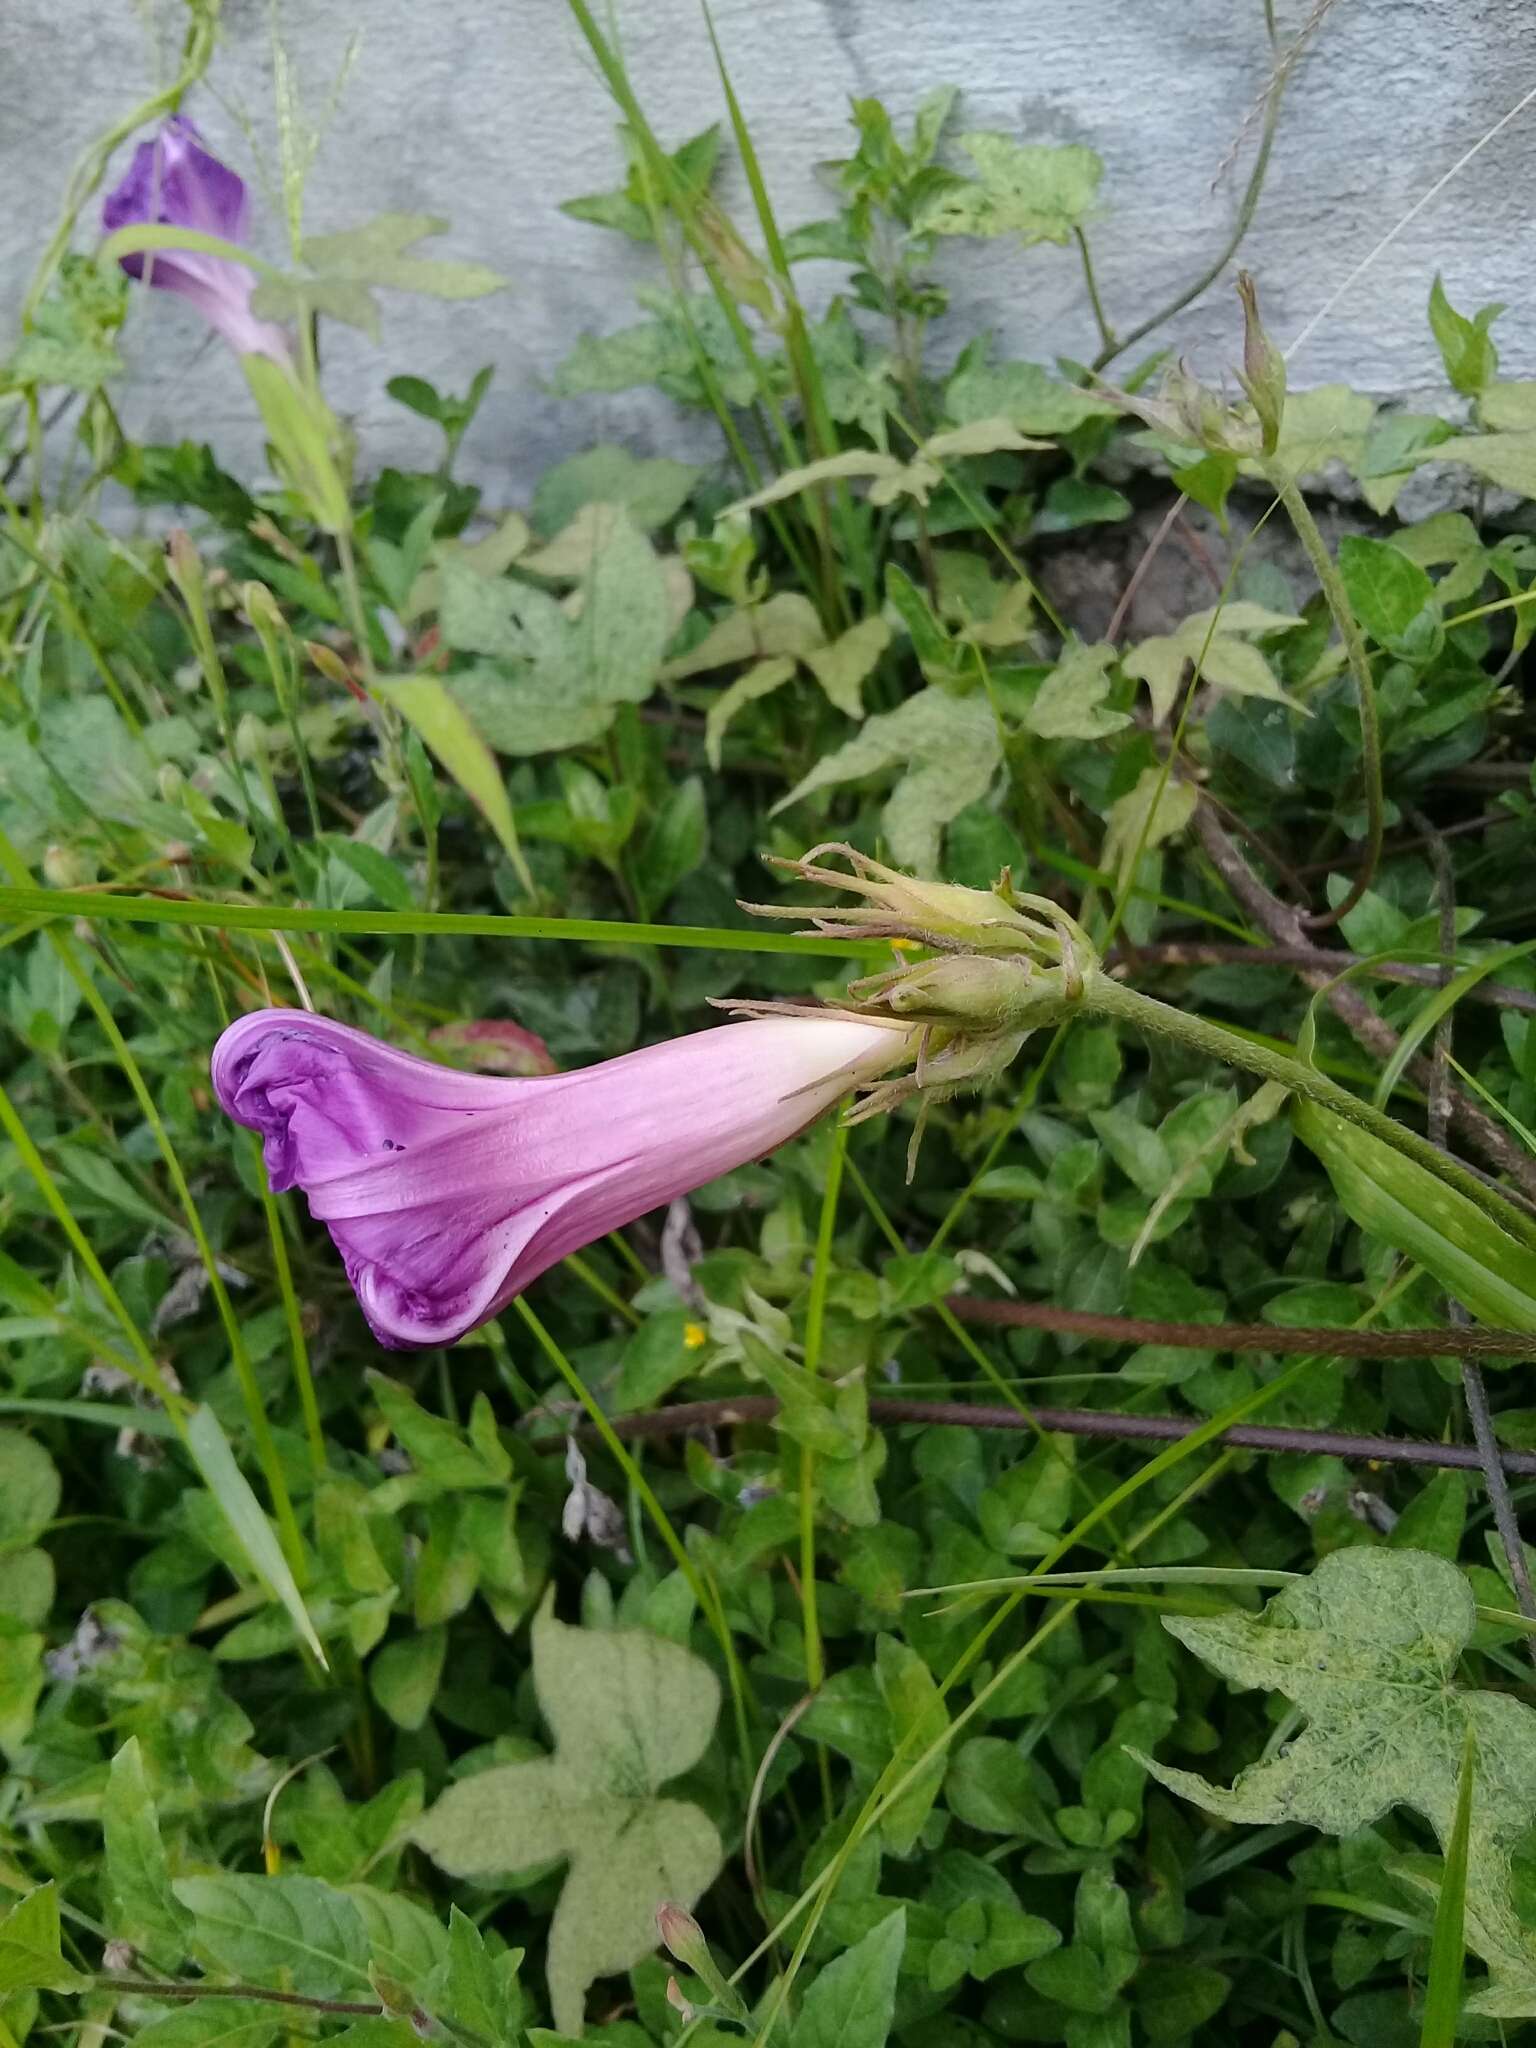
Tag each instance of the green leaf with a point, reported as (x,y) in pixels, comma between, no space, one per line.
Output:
(1466,347)
(474,1987)
(1412,1209)
(853,2000)
(145,1911)
(1367,1650)
(1038,191)
(1387,592)
(1069,704)
(441,1453)
(268,1929)
(29,1490)
(405,1675)
(30,1955)
(229,1486)
(1448,1949)
(692,169)
(676,843)
(628,1710)
(425,704)
(214,2023)
(946,750)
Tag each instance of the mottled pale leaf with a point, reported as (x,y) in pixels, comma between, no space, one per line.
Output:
(947,750)
(785,624)
(979,437)
(1508,460)
(1039,191)
(1024,394)
(1367,1649)
(343,269)
(628,1710)
(1158,808)
(841,666)
(1326,424)
(852,462)
(761,680)
(1069,704)
(1210,638)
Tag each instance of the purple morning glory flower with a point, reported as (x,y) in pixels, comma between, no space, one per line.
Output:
(175,181)
(447,1193)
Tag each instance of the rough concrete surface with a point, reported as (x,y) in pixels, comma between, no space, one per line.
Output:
(491,114)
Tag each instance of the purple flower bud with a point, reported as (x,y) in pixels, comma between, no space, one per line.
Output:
(174,181)
(446,1193)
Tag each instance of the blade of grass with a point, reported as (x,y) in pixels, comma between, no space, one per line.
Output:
(815,1325)
(1448,1946)
(211,915)
(229,1486)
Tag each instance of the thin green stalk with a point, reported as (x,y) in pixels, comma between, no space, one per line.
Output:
(703,1589)
(222,915)
(293,1315)
(815,1326)
(1444,1988)
(1332,585)
(594,1282)
(1106,997)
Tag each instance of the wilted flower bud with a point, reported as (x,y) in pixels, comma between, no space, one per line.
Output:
(250,738)
(63,868)
(975,992)
(682,1937)
(1263,375)
(941,914)
(261,608)
(170,781)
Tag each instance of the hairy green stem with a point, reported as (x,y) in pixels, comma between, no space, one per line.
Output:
(1332,585)
(1105,997)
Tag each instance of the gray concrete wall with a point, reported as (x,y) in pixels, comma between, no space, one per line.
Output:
(491,111)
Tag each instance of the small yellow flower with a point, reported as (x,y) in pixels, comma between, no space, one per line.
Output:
(694,1336)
